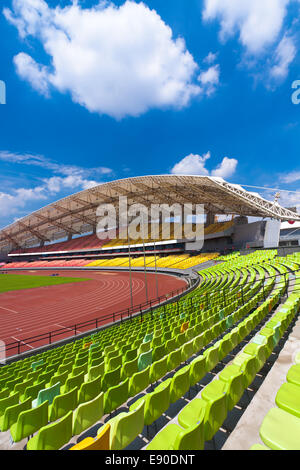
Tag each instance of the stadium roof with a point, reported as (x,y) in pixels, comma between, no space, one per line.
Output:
(76,214)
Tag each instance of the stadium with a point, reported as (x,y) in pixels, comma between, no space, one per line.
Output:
(164,342)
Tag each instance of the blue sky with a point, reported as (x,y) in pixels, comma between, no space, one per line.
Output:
(98,91)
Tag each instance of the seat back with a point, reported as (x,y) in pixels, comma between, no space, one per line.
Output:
(100,443)
(138,382)
(198,370)
(126,427)
(53,436)
(11,400)
(48,394)
(158,352)
(62,404)
(158,402)
(129,368)
(96,371)
(115,396)
(87,414)
(89,390)
(180,384)
(174,359)
(145,360)
(187,350)
(30,421)
(158,369)
(191,438)
(12,412)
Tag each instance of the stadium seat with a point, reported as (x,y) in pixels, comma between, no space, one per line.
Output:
(125,427)
(29,422)
(87,414)
(100,443)
(53,436)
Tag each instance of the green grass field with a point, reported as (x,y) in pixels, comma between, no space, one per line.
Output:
(10,282)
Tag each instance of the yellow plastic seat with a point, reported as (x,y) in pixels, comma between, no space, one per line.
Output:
(101,442)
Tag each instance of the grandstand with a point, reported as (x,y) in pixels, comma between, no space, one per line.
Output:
(185,373)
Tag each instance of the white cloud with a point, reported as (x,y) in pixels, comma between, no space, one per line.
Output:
(210,58)
(284,56)
(66,178)
(257,22)
(56,184)
(48,164)
(120,61)
(35,74)
(291,177)
(209,79)
(226,168)
(13,203)
(194,164)
(269,48)
(191,165)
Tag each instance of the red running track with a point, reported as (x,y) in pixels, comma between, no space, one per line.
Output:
(31,312)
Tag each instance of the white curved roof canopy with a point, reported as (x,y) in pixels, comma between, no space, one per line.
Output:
(76,214)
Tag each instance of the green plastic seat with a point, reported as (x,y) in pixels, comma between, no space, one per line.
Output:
(125,427)
(198,343)
(79,369)
(114,362)
(87,414)
(29,422)
(158,369)
(171,345)
(280,430)
(89,390)
(129,368)
(111,378)
(248,364)
(158,352)
(20,387)
(11,414)
(293,375)
(212,357)
(156,402)
(174,359)
(72,382)
(197,370)
(288,398)
(145,360)
(61,378)
(234,388)
(115,396)
(32,391)
(187,351)
(53,436)
(95,372)
(130,355)
(138,382)
(62,404)
(11,400)
(212,411)
(144,347)
(180,384)
(34,365)
(180,339)
(173,437)
(4,393)
(47,394)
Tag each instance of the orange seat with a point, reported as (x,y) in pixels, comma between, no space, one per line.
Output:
(184,327)
(100,443)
